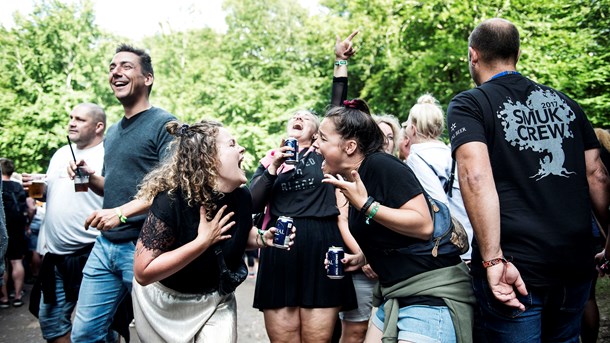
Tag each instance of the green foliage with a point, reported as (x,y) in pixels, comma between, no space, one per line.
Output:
(50,63)
(276,58)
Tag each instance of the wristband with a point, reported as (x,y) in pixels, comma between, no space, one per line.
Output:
(119,214)
(373,212)
(367,204)
(261,233)
(493,262)
(341,63)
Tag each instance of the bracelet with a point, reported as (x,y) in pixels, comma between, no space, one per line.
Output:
(493,262)
(367,204)
(373,212)
(341,63)
(261,233)
(119,214)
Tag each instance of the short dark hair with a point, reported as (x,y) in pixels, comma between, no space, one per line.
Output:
(8,167)
(145,60)
(355,121)
(496,39)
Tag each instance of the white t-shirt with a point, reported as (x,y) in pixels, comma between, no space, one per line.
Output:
(63,226)
(423,158)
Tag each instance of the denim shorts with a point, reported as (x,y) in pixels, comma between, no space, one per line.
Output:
(364,294)
(55,319)
(421,323)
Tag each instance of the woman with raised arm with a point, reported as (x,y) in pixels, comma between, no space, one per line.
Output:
(300,303)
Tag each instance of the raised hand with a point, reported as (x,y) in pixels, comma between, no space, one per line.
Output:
(355,192)
(344,48)
(278,156)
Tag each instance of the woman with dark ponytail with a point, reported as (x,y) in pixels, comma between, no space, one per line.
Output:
(420,298)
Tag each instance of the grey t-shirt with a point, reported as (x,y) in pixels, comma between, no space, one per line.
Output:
(133,148)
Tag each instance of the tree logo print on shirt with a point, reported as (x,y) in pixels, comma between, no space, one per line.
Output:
(540,125)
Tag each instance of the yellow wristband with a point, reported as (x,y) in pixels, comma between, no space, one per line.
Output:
(119,214)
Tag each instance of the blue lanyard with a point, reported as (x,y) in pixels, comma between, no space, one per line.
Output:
(506,72)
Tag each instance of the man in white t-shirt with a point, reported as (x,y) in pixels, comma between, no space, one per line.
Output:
(67,243)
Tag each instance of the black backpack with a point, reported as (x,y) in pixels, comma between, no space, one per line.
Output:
(15,206)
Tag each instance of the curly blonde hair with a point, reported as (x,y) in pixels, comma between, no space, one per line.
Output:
(190,166)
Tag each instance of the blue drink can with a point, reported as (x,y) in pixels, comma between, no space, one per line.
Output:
(293,143)
(335,266)
(282,235)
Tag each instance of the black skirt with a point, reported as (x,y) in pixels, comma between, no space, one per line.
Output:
(297,278)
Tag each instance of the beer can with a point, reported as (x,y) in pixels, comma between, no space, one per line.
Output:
(282,235)
(293,143)
(335,266)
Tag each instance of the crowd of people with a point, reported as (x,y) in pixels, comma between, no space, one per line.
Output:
(497,237)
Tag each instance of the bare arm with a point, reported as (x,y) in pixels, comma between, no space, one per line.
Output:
(599,191)
(342,222)
(348,239)
(483,207)
(151,264)
(480,197)
(411,219)
(96,182)
(106,219)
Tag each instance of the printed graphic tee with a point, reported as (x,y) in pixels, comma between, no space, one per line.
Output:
(536,138)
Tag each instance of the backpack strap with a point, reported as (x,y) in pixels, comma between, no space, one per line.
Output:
(449,184)
(448,187)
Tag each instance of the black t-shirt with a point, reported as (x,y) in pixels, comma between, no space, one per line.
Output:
(171,223)
(300,191)
(392,183)
(15,208)
(536,138)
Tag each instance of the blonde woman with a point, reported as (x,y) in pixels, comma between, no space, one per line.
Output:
(390,127)
(189,254)
(430,158)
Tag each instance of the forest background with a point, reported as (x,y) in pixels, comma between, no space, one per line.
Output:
(276,57)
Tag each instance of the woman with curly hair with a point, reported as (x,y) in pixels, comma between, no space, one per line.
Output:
(188,257)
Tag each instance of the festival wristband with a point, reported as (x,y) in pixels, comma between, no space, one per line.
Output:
(261,233)
(374,209)
(119,214)
(493,262)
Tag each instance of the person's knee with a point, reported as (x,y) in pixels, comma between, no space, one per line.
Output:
(282,325)
(352,332)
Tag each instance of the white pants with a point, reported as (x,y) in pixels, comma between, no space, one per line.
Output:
(164,315)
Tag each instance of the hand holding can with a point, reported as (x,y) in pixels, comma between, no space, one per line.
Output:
(281,239)
(335,268)
(294,144)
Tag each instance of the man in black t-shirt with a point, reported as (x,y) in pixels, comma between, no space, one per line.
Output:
(530,174)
